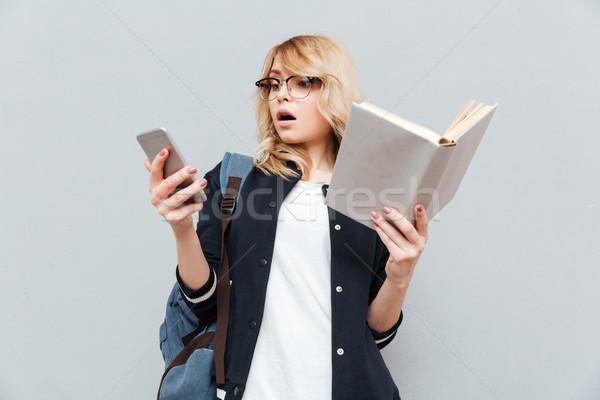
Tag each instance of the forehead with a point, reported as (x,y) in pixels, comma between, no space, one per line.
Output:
(278,69)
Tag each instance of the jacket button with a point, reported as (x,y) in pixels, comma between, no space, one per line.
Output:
(252,324)
(337,227)
(338,289)
(272,204)
(262,262)
(340,351)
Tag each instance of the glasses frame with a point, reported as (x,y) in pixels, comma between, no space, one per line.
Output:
(311,80)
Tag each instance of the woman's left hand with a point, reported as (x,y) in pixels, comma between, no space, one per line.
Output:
(406,249)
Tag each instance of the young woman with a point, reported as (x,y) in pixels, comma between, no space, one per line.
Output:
(314,294)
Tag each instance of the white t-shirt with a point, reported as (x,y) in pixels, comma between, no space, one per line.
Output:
(292,358)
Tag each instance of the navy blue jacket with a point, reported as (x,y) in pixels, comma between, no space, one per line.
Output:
(358,259)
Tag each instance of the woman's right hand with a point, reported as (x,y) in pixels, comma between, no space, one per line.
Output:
(170,205)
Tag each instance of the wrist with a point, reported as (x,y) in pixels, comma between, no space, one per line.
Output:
(399,286)
(183,230)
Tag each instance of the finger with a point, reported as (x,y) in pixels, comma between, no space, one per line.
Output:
(390,230)
(403,224)
(156,168)
(182,212)
(387,241)
(168,185)
(147,164)
(178,198)
(422,221)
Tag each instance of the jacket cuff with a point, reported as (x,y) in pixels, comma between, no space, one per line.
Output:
(199,295)
(382,339)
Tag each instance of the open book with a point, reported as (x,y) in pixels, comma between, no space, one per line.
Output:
(387,160)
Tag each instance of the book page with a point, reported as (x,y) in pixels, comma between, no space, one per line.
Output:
(461,115)
(471,118)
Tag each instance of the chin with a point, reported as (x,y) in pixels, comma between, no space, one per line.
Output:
(288,140)
(288,137)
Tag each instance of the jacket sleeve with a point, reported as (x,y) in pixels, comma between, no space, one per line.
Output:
(203,301)
(382,254)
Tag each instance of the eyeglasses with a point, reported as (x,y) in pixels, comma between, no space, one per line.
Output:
(298,86)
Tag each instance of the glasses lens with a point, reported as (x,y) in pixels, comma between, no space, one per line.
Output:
(268,88)
(299,86)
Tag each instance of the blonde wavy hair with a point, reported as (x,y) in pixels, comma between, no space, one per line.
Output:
(307,55)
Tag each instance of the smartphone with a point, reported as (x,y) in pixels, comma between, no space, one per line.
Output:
(153,142)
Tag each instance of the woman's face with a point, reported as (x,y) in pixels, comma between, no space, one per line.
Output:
(309,128)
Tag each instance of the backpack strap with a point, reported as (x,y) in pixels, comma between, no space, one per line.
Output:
(223,288)
(234,169)
(237,165)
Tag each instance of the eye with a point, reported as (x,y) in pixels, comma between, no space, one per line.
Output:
(303,82)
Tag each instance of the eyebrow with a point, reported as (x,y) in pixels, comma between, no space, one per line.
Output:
(275,71)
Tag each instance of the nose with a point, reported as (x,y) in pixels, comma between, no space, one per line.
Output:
(283,93)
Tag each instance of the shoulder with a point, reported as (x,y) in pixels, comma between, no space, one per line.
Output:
(236,164)
(214,173)
(212,178)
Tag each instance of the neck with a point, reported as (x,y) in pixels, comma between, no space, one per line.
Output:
(321,156)
(322,160)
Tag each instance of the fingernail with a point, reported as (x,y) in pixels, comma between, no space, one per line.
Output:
(387,210)
(192,170)
(202,182)
(420,209)
(163,152)
(374,215)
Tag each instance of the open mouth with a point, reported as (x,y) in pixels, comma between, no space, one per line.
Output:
(284,115)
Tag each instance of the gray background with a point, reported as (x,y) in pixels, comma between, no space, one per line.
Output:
(504,302)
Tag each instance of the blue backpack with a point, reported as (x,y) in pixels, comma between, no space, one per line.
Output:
(193,350)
